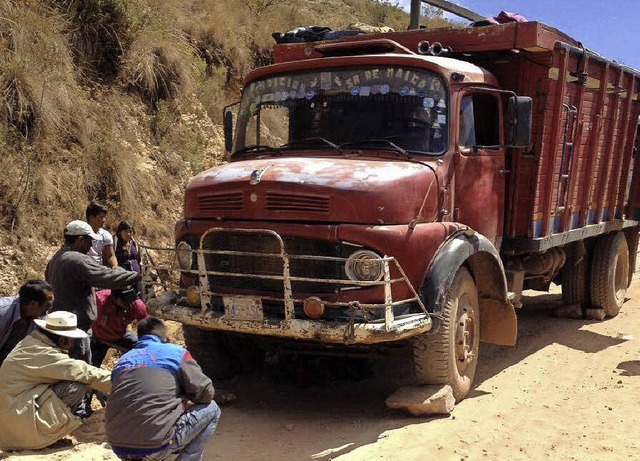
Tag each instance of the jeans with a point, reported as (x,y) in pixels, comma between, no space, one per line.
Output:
(99,348)
(188,435)
(70,392)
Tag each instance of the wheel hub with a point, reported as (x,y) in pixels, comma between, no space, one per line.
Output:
(465,339)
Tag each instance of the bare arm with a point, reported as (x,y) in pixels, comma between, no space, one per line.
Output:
(109,257)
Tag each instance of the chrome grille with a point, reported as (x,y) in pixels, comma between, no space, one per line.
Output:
(269,265)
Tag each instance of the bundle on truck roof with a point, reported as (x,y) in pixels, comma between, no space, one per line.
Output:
(403,189)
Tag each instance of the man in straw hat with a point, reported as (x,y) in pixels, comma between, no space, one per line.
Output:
(40,385)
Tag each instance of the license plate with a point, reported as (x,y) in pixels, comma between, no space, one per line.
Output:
(243,308)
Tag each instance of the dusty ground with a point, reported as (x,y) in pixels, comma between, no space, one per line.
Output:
(569,390)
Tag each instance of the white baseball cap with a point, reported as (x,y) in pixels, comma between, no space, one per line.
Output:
(61,323)
(80,228)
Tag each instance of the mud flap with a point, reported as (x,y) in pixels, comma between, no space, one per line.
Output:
(498,323)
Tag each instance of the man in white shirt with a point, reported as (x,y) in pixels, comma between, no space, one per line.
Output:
(101,250)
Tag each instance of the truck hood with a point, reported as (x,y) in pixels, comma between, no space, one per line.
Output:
(344,190)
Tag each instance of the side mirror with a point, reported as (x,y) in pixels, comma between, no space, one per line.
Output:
(227,120)
(519,111)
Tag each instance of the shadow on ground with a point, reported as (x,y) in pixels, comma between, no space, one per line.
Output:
(538,328)
(336,415)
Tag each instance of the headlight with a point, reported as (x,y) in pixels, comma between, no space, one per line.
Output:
(364,265)
(183,252)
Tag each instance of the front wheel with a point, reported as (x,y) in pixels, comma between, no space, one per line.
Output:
(450,355)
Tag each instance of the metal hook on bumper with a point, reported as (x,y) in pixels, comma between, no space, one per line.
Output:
(350,330)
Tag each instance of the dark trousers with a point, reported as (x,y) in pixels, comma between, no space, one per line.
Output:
(99,348)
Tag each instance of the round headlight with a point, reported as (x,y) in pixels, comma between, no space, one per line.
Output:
(183,252)
(364,265)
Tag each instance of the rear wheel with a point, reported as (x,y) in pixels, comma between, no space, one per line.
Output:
(221,355)
(610,273)
(450,356)
(575,281)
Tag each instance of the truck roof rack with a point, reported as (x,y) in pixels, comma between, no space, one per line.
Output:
(373,46)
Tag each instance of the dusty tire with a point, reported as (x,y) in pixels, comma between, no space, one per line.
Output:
(609,273)
(575,282)
(220,355)
(450,356)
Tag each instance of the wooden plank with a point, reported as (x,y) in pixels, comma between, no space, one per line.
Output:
(634,194)
(592,156)
(619,152)
(455,9)
(578,149)
(608,152)
(630,135)
(546,195)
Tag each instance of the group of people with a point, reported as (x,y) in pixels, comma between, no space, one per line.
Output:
(53,339)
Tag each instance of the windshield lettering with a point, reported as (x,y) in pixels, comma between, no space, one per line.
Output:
(407,107)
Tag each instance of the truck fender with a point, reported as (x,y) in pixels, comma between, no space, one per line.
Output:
(498,321)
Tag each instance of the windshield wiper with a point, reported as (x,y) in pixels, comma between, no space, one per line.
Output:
(257,148)
(390,145)
(306,141)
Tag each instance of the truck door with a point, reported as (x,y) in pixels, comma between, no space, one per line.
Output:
(480,164)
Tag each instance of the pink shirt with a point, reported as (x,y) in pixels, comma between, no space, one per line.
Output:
(112,321)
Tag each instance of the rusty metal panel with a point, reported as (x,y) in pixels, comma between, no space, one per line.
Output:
(530,36)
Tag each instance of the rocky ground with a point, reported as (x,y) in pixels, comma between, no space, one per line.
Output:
(568,390)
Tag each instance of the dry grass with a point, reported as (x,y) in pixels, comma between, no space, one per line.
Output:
(37,74)
(121,101)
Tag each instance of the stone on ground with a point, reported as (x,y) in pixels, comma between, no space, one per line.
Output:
(423,400)
(595,314)
(573,311)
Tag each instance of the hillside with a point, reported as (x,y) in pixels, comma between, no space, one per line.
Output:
(121,102)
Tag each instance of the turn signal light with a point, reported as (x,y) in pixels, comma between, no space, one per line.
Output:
(313,307)
(193,295)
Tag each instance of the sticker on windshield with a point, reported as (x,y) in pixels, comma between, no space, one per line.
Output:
(441,103)
(285,95)
(355,90)
(404,91)
(267,97)
(428,102)
(365,91)
(310,94)
(384,89)
(375,89)
(325,80)
(442,119)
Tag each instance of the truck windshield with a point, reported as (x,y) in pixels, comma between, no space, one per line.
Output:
(381,108)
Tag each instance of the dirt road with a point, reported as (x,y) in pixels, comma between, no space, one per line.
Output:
(569,390)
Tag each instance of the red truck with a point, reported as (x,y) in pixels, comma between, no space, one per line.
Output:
(400,190)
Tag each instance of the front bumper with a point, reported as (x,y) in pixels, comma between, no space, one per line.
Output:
(313,330)
(246,314)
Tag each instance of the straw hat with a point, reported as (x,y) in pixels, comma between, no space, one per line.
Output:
(61,323)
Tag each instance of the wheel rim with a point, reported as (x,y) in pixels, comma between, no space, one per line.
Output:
(620,278)
(465,336)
